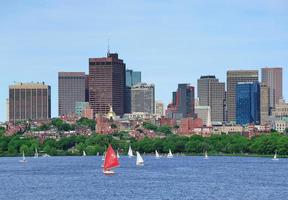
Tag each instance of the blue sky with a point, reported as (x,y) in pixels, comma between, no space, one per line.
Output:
(171,42)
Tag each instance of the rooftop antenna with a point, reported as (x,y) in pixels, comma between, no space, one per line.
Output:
(108,50)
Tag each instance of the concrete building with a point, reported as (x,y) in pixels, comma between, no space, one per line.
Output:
(29,101)
(143,98)
(159,109)
(204,113)
(248,103)
(264,104)
(281,125)
(211,93)
(71,89)
(280,110)
(273,78)
(107,84)
(183,104)
(233,78)
(80,107)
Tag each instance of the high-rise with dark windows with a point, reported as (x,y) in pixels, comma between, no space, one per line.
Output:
(107,84)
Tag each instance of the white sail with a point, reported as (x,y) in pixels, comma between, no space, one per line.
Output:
(36,153)
(157,154)
(170,155)
(103,157)
(275,156)
(206,155)
(139,159)
(84,153)
(130,152)
(118,156)
(23,160)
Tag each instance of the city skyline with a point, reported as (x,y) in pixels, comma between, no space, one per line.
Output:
(40,52)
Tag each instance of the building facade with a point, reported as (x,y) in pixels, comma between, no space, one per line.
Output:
(264,104)
(211,93)
(107,84)
(29,101)
(143,98)
(71,89)
(248,103)
(159,108)
(132,77)
(204,113)
(280,110)
(233,78)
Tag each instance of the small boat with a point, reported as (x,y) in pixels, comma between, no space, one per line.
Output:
(118,156)
(103,156)
(23,160)
(45,155)
(157,154)
(111,161)
(206,155)
(275,156)
(84,153)
(139,159)
(170,155)
(130,152)
(36,155)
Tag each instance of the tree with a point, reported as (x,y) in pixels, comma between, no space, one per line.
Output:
(87,122)
(149,126)
(165,129)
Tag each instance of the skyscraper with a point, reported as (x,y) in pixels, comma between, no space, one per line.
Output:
(29,101)
(86,88)
(71,89)
(107,84)
(233,78)
(273,78)
(264,104)
(212,93)
(143,98)
(248,103)
(183,104)
(132,78)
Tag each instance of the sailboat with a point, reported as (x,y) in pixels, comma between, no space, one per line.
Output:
(206,155)
(130,152)
(111,161)
(275,156)
(23,160)
(84,153)
(103,156)
(157,154)
(118,156)
(139,159)
(170,155)
(36,155)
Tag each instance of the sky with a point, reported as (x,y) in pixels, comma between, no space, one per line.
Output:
(169,41)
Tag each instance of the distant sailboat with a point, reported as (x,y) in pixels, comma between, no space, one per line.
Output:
(206,155)
(103,156)
(36,155)
(23,160)
(111,161)
(118,156)
(170,155)
(139,159)
(46,155)
(157,154)
(84,153)
(130,152)
(275,156)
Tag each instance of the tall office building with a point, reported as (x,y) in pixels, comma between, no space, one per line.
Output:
(107,84)
(159,108)
(248,103)
(132,78)
(86,88)
(29,101)
(273,78)
(183,104)
(211,93)
(71,89)
(264,104)
(143,98)
(233,78)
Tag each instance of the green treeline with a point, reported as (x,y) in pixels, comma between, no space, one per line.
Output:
(216,144)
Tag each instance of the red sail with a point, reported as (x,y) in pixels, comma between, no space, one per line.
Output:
(111,159)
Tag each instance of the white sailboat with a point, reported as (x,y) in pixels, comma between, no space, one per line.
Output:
(118,156)
(206,155)
(130,152)
(170,155)
(36,155)
(275,156)
(157,154)
(103,156)
(84,153)
(23,160)
(139,159)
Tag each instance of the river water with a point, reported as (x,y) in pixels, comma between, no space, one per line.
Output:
(183,177)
